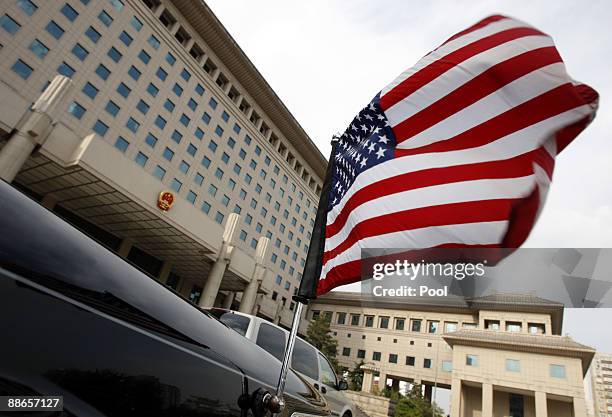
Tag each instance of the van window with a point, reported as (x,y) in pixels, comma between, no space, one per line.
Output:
(328,376)
(304,359)
(236,322)
(271,340)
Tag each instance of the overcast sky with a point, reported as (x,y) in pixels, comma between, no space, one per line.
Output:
(327,59)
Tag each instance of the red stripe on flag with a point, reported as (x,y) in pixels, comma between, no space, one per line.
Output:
(442,65)
(478,87)
(542,107)
(519,166)
(484,22)
(442,215)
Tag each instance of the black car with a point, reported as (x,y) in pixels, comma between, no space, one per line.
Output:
(78,321)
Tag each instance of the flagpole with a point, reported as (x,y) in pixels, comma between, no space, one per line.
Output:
(310,276)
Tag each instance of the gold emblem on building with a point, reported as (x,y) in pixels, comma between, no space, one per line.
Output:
(165,200)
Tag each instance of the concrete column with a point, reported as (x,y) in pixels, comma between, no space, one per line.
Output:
(124,247)
(455,398)
(579,407)
(541,409)
(228,300)
(487,400)
(33,130)
(49,201)
(382,381)
(249,296)
(368,378)
(164,272)
(213,281)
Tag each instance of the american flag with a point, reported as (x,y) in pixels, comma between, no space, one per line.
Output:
(458,151)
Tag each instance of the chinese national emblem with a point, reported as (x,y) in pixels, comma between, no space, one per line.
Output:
(165,200)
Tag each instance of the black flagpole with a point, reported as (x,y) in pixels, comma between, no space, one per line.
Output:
(311,273)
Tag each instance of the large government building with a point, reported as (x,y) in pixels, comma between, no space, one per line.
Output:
(161,140)
(500,355)
(601,384)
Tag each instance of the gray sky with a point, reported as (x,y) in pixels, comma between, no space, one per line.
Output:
(327,59)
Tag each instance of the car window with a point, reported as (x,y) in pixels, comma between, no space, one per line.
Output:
(328,376)
(236,322)
(271,340)
(304,359)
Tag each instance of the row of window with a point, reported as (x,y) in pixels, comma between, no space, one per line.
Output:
(184,38)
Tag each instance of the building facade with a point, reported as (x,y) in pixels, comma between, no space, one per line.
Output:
(601,384)
(160,99)
(499,355)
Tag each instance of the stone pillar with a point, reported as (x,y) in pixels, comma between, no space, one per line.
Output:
(228,300)
(368,377)
(164,272)
(541,409)
(49,201)
(487,399)
(249,296)
(124,247)
(213,282)
(579,407)
(455,398)
(33,130)
(382,381)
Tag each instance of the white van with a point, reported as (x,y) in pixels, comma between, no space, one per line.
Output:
(307,360)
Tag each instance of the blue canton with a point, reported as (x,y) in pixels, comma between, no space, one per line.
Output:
(367,142)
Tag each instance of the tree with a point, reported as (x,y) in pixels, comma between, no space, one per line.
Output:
(355,377)
(413,404)
(319,335)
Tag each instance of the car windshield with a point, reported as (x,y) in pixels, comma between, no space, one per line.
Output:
(233,321)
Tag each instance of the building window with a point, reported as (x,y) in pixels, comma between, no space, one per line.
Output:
(117,4)
(212,190)
(154,42)
(513,326)
(192,104)
(516,405)
(69,12)
(141,159)
(123,90)
(185,75)
(185,120)
(105,18)
(184,167)
(341,318)
(66,70)
(355,319)
(447,366)
(427,363)
(199,89)
(22,69)
(114,54)
(103,72)
(144,57)
(126,38)
(121,144)
(134,73)
(410,360)
(513,365)
(169,105)
(361,354)
(492,324)
(450,327)
(198,179)
(159,172)
(100,128)
(392,358)
(11,26)
(206,118)
(142,107)
(76,110)
(415,325)
(191,197)
(219,217)
(132,124)
(54,29)
(557,371)
(176,136)
(205,207)
(160,122)
(93,34)
(212,103)
(152,90)
(136,23)
(151,140)
(383,322)
(177,89)
(376,356)
(432,326)
(471,360)
(536,328)
(176,185)
(399,324)
(161,74)
(112,108)
(27,6)
(39,49)
(90,90)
